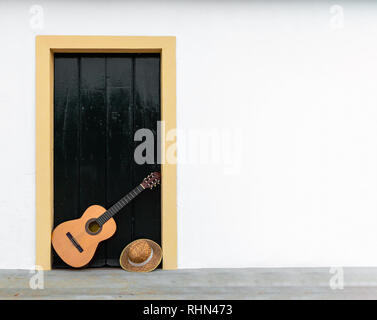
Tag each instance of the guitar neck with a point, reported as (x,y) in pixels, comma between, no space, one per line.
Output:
(120,204)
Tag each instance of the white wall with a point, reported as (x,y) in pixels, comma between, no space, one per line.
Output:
(298,93)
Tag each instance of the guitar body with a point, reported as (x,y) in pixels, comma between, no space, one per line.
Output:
(76,241)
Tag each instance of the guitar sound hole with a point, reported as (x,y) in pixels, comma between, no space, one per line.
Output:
(93,227)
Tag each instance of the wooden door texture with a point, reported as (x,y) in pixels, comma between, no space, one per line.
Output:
(100,100)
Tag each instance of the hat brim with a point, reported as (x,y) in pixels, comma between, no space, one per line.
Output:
(149,266)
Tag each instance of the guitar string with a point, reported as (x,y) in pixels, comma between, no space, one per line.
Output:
(120,205)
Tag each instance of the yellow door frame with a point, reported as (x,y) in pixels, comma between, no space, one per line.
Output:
(46,46)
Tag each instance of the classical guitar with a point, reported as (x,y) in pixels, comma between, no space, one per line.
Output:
(76,241)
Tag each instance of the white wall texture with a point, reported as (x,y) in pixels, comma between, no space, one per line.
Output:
(294,85)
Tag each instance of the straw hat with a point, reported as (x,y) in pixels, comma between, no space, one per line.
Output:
(142,255)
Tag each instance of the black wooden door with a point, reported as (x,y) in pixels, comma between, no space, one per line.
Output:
(100,100)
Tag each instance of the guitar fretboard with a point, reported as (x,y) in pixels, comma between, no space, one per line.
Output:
(120,205)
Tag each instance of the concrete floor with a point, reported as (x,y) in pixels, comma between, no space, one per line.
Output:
(255,283)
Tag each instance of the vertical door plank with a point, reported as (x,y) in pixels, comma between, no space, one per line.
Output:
(119,148)
(66,131)
(147,208)
(93,139)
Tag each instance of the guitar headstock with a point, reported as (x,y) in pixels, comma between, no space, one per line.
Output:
(152,180)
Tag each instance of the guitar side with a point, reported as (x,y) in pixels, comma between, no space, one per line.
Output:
(76,241)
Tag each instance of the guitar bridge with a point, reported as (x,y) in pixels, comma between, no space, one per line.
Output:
(74,242)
